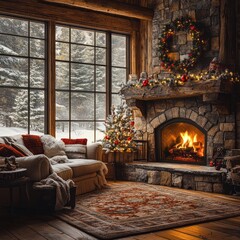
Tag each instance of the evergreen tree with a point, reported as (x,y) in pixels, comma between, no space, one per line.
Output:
(20,110)
(119,132)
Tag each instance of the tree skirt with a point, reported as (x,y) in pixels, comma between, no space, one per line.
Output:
(129,208)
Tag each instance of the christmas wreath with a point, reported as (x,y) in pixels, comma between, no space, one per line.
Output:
(198,43)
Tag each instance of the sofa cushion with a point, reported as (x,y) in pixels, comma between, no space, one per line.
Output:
(8,151)
(33,143)
(52,147)
(21,148)
(76,151)
(75,141)
(63,170)
(82,167)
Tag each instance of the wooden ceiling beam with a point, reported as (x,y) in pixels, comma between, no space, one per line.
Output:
(112,7)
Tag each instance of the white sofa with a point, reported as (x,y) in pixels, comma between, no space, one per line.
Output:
(88,174)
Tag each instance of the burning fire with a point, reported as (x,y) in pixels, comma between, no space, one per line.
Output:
(188,141)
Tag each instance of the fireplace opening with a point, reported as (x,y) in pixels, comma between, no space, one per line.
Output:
(181,141)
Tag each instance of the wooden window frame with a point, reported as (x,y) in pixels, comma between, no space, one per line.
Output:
(28,88)
(52,14)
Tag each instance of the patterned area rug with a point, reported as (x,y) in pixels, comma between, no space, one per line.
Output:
(129,208)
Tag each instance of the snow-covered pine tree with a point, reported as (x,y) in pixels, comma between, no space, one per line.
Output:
(20,110)
(119,132)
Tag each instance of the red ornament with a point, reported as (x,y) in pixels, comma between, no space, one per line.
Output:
(132,123)
(116,142)
(184,78)
(145,83)
(107,137)
(211,164)
(193,28)
(129,138)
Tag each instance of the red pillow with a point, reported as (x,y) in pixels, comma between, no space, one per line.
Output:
(82,141)
(33,143)
(8,151)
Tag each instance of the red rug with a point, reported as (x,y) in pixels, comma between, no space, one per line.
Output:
(130,208)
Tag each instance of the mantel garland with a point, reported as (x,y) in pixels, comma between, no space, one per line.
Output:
(198,42)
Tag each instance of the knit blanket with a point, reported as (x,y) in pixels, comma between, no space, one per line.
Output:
(62,188)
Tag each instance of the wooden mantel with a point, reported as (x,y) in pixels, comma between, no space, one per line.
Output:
(202,88)
(112,7)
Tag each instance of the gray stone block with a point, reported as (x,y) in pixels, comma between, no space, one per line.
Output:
(213,130)
(193,116)
(188,182)
(177,180)
(218,138)
(175,112)
(204,109)
(141,175)
(218,188)
(162,118)
(227,127)
(153,177)
(155,122)
(182,112)
(212,179)
(204,186)
(165,178)
(168,114)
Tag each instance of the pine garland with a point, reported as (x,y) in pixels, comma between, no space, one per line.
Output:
(181,24)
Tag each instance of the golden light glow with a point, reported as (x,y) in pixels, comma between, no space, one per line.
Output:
(190,141)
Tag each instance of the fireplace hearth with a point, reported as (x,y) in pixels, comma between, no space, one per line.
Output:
(180,141)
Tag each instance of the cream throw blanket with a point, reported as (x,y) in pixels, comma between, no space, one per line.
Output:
(62,189)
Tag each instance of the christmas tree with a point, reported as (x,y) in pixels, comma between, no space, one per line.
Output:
(119,132)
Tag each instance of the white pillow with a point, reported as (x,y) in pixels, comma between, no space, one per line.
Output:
(76,151)
(52,147)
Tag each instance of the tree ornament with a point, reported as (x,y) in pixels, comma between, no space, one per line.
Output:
(184,77)
(198,43)
(145,83)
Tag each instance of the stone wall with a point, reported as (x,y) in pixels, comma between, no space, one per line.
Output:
(205,12)
(216,119)
(209,181)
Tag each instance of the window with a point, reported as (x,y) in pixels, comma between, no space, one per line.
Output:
(22,76)
(90,67)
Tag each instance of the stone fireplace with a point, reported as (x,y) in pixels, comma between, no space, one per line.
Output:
(185,124)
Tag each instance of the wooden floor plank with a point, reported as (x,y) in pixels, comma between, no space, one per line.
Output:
(173,234)
(49,232)
(203,232)
(70,230)
(224,228)
(149,236)
(5,235)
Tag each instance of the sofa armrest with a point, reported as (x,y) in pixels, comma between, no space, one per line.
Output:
(38,166)
(94,150)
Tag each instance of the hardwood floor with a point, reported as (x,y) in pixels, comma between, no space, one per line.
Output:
(42,227)
(30,226)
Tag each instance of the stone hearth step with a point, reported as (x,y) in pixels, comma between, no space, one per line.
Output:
(200,178)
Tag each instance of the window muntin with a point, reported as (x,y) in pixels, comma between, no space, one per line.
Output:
(86,81)
(22,75)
